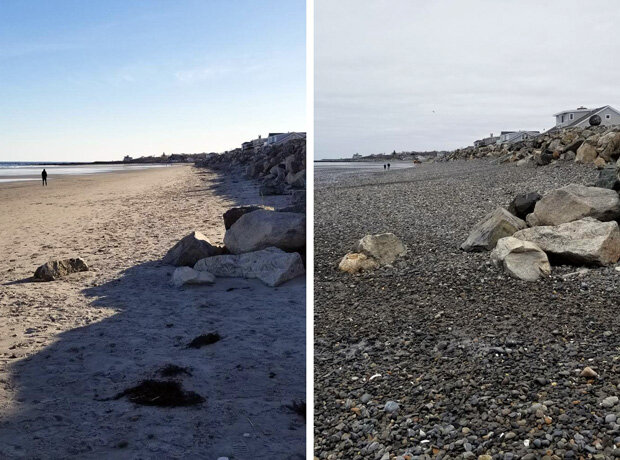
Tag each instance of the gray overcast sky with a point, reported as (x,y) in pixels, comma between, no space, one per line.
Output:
(421,75)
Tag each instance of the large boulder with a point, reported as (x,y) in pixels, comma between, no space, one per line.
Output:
(262,229)
(297,180)
(271,265)
(232,215)
(355,263)
(609,178)
(610,146)
(190,250)
(187,275)
(56,269)
(575,202)
(495,225)
(383,247)
(523,204)
(521,259)
(586,153)
(585,241)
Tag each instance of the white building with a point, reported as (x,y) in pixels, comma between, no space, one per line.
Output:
(281,138)
(511,137)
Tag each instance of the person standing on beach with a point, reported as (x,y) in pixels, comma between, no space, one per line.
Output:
(388,166)
(44,177)
(384,167)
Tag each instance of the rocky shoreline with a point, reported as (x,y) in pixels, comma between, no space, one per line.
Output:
(598,146)
(280,169)
(443,355)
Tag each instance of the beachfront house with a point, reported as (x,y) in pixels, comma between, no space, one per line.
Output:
(511,137)
(486,141)
(282,138)
(580,117)
(253,144)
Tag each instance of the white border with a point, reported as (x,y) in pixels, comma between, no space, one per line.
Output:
(310,229)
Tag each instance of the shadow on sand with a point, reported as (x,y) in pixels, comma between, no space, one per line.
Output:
(247,378)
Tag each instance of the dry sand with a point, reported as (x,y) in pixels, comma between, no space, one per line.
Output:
(66,344)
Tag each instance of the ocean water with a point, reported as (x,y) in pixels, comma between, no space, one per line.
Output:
(359,166)
(16,171)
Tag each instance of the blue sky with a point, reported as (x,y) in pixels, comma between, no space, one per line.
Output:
(95,80)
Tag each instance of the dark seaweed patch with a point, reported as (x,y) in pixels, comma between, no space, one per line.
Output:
(205,339)
(172,370)
(160,393)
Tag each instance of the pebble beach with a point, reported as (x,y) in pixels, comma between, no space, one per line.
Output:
(441,354)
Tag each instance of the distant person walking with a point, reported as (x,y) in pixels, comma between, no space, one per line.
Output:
(388,166)
(384,167)
(44,177)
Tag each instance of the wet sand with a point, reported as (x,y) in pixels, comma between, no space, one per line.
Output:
(67,344)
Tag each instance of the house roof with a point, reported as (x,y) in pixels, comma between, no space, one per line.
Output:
(578,109)
(516,134)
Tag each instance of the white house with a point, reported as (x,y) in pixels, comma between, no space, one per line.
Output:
(511,137)
(486,141)
(281,138)
(580,117)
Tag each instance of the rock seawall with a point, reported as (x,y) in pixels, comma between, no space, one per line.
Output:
(599,145)
(280,169)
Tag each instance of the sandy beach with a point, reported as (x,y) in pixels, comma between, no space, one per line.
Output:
(67,345)
(474,363)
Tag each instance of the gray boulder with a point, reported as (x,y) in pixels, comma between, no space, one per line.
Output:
(232,215)
(271,265)
(609,178)
(190,250)
(187,275)
(585,241)
(56,269)
(523,204)
(262,229)
(297,180)
(521,259)
(575,202)
(495,225)
(383,247)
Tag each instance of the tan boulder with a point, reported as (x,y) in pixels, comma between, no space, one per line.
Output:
(586,153)
(521,259)
(383,247)
(354,263)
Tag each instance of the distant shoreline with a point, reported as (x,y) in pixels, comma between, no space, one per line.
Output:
(73,163)
(20,171)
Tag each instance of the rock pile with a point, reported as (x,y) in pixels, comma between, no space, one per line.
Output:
(272,266)
(371,252)
(281,169)
(599,145)
(265,244)
(574,224)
